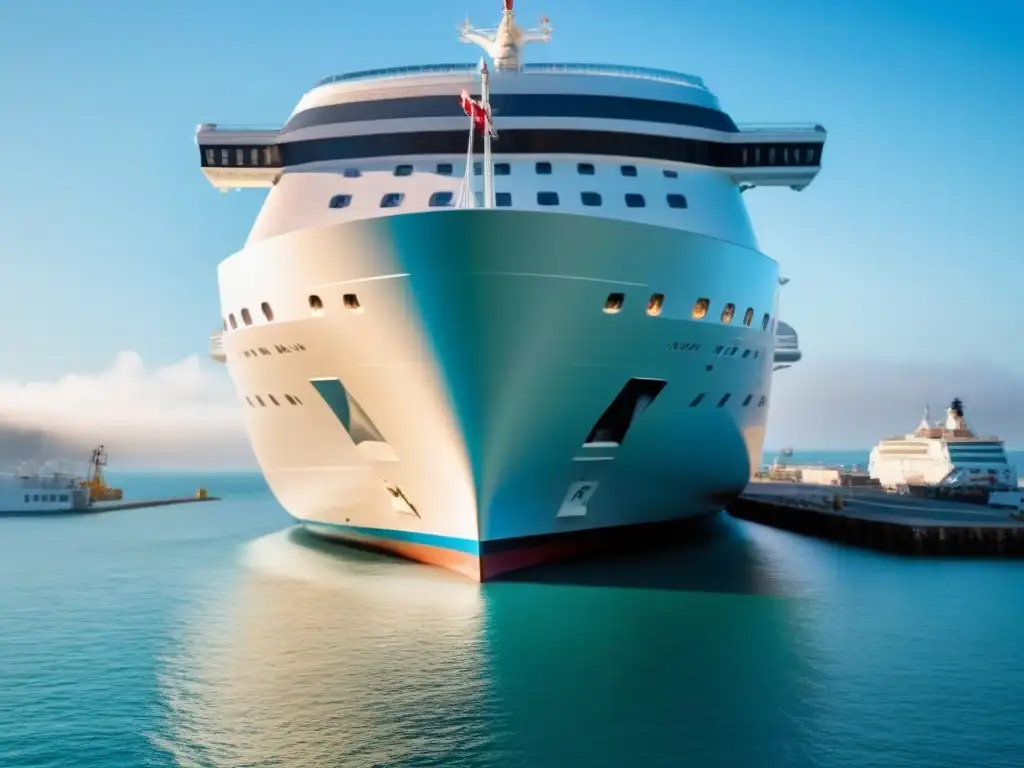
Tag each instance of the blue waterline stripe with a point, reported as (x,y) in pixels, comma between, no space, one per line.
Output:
(469,546)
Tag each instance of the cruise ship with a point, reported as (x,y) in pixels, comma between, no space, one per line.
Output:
(943,454)
(495,314)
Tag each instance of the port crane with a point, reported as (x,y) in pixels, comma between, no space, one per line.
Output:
(95,483)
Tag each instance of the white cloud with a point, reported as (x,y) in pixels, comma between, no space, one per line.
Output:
(183,415)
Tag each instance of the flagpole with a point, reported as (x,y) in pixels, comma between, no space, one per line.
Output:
(485,98)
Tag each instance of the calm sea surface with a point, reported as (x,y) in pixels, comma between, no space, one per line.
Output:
(215,635)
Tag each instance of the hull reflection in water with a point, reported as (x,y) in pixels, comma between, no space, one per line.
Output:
(318,659)
(324,656)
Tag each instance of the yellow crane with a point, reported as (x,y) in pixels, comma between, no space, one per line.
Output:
(95,483)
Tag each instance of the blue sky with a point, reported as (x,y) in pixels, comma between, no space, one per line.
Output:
(906,250)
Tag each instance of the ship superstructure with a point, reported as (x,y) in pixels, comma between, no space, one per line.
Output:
(946,453)
(492,314)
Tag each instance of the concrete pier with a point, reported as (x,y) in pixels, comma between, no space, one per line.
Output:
(113,506)
(872,518)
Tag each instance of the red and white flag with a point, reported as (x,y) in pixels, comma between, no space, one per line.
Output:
(481,119)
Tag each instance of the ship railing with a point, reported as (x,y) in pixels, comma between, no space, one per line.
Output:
(616,70)
(216,341)
(809,128)
(786,340)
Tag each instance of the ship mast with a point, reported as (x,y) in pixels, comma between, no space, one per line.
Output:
(504,44)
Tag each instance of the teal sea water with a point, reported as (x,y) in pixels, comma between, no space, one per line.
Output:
(216,635)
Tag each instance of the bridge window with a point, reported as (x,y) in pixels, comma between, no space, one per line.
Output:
(700,308)
(764,322)
(633,200)
(748,316)
(267,312)
(340,201)
(590,198)
(246,317)
(403,170)
(503,199)
(225,157)
(444,169)
(543,169)
(440,200)
(270,156)
(351,173)
(810,156)
(547,198)
(670,174)
(502,169)
(676,200)
(392,200)
(211,157)
(254,156)
(628,170)
(771,155)
(234,323)
(239,157)
(728,312)
(585,169)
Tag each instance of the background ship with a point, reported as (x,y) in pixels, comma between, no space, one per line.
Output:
(489,363)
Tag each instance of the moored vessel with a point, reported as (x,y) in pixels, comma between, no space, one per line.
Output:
(491,342)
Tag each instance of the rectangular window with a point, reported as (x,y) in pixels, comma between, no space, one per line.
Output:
(444,169)
(392,200)
(590,199)
(585,169)
(403,170)
(63,497)
(351,173)
(633,200)
(502,169)
(478,169)
(440,200)
(503,199)
(268,156)
(670,174)
(239,157)
(629,170)
(211,157)
(26,498)
(340,201)
(225,157)
(543,169)
(676,200)
(547,198)
(254,156)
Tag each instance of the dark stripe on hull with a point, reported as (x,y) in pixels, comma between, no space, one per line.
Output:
(541,142)
(505,556)
(518,105)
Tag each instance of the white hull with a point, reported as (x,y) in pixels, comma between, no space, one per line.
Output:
(482,359)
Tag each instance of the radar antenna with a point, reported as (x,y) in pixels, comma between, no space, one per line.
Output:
(504,43)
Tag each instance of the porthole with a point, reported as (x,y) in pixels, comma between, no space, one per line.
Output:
(655,303)
(543,169)
(392,200)
(502,169)
(351,173)
(351,302)
(590,199)
(503,199)
(267,312)
(246,317)
(585,169)
(748,316)
(634,200)
(613,304)
(315,304)
(676,200)
(547,198)
(728,312)
(444,169)
(403,170)
(340,201)
(700,308)
(628,170)
(231,319)
(764,322)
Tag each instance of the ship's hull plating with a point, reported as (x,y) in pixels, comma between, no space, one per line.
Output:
(444,420)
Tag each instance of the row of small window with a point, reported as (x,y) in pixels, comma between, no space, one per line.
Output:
(781,155)
(281,349)
(613,305)
(268,314)
(761,403)
(542,168)
(46,497)
(244,157)
(292,400)
(504,200)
